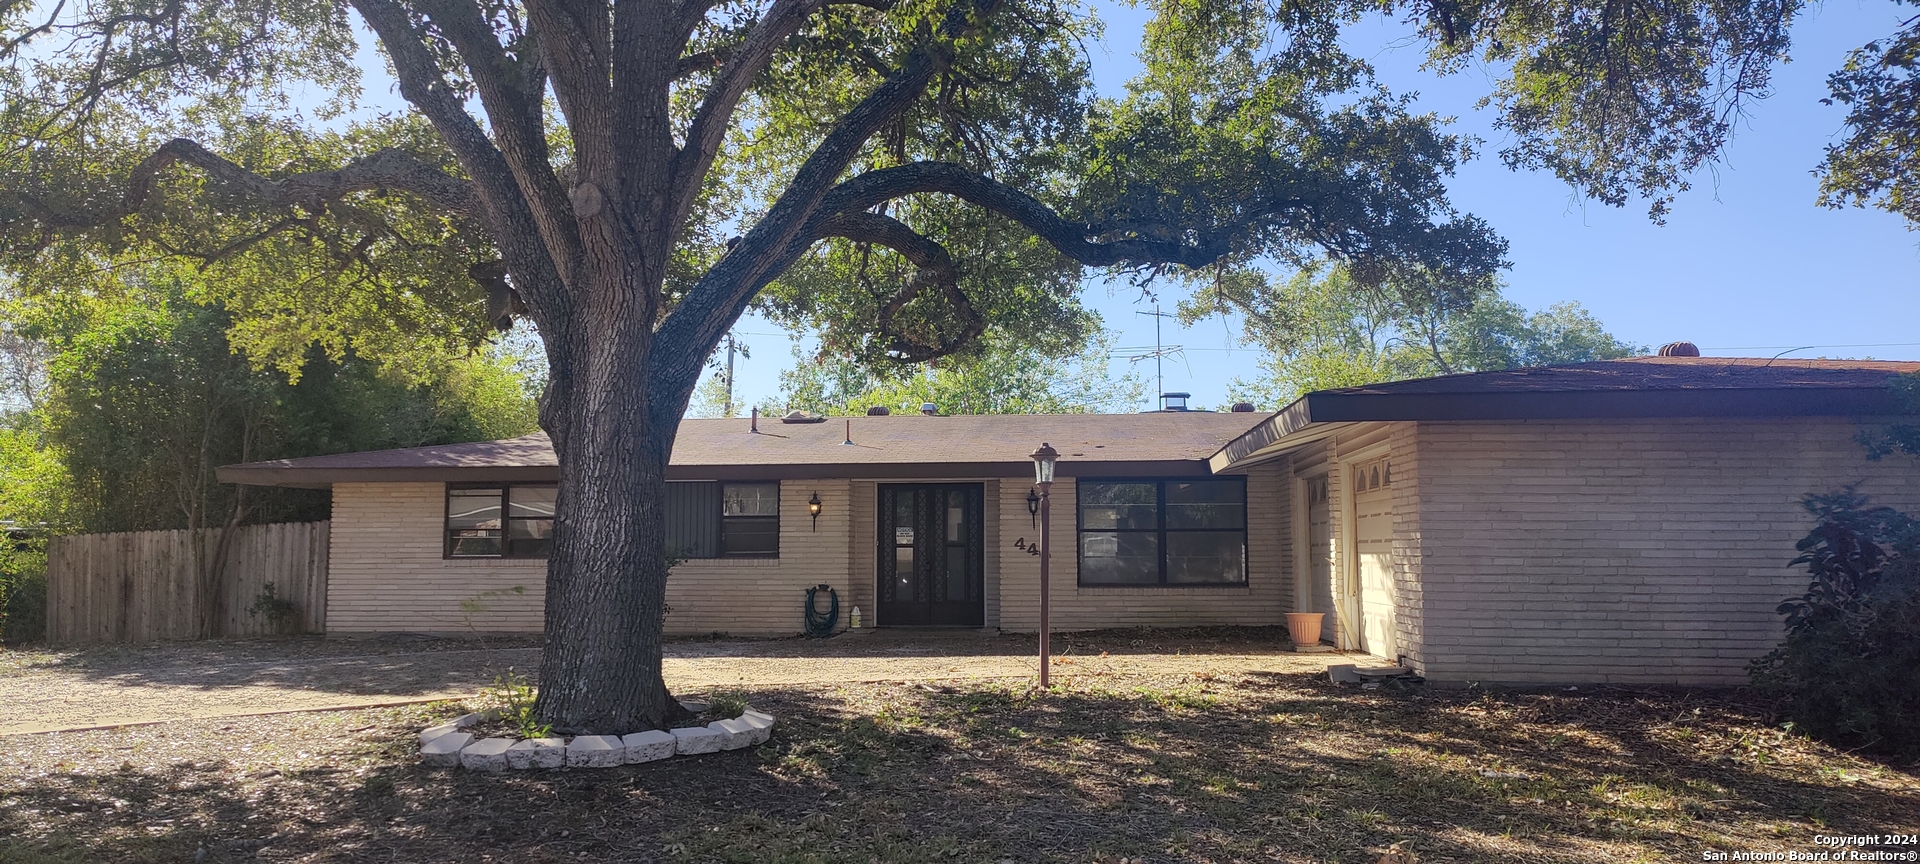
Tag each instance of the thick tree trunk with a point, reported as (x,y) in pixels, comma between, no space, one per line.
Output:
(607,568)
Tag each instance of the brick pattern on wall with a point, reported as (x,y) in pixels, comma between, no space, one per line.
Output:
(1637,552)
(386,573)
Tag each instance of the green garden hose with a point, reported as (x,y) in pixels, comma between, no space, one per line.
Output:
(819,625)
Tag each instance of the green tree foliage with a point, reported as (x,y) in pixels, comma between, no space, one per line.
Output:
(1846,669)
(1323,329)
(145,396)
(1620,100)
(1901,437)
(1878,164)
(996,378)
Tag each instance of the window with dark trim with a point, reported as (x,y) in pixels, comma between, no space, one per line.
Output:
(1163,531)
(503,521)
(723,519)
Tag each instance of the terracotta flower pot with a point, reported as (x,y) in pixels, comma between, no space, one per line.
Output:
(1304,627)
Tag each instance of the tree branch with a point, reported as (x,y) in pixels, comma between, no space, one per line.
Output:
(719,297)
(513,105)
(709,127)
(934,268)
(385,169)
(540,272)
(1074,240)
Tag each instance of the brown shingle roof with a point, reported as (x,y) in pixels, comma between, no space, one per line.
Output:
(907,445)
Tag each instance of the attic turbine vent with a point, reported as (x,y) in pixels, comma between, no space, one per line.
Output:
(929,409)
(1679,349)
(878,411)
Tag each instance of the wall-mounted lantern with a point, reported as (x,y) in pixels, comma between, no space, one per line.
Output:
(1033,506)
(813,507)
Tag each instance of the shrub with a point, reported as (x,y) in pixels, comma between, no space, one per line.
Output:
(23,606)
(513,697)
(1849,670)
(282,615)
(23,591)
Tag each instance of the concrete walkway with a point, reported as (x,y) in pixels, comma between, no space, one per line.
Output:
(53,691)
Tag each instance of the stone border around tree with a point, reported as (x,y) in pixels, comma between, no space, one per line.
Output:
(449,745)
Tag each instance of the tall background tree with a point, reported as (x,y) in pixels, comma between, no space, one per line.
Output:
(631,175)
(124,396)
(1322,328)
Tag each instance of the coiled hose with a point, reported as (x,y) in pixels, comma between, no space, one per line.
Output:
(819,625)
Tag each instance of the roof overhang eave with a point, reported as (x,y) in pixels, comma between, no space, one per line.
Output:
(1314,415)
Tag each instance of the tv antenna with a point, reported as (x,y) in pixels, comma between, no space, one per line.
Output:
(1160,351)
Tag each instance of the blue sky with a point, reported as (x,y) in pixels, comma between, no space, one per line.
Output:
(1746,265)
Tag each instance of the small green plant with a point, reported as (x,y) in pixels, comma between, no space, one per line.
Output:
(726,706)
(281,613)
(513,697)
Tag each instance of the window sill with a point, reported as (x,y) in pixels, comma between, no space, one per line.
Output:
(1163,590)
(726,563)
(471,560)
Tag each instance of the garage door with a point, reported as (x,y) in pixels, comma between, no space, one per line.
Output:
(1373,530)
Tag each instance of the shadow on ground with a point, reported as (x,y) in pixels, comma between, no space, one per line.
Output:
(1259,768)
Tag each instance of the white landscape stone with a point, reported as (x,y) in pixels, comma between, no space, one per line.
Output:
(696,739)
(648,746)
(537,753)
(444,751)
(432,732)
(486,754)
(734,734)
(755,712)
(595,751)
(762,725)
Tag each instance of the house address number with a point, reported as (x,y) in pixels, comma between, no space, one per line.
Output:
(1032,548)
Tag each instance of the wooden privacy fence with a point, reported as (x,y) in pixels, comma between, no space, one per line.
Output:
(146,586)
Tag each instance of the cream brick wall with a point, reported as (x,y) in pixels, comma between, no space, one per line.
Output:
(1642,552)
(1262,601)
(387,575)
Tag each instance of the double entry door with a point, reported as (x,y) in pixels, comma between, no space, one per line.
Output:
(931,552)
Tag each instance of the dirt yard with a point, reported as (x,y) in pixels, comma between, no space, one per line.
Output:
(113,685)
(1177,749)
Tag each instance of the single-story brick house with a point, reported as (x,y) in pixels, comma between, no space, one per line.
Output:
(1623,521)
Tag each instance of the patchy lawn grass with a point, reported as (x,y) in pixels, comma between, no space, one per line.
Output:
(1262,767)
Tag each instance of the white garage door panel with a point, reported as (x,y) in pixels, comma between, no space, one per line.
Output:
(1373,528)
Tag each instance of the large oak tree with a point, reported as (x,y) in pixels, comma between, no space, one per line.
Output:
(630,175)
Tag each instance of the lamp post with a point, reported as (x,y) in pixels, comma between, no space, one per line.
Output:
(1043,460)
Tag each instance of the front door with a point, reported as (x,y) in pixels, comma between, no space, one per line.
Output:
(931,552)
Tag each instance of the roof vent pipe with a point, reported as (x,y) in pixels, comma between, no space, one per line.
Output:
(1679,349)
(929,409)
(753,425)
(1243,407)
(878,411)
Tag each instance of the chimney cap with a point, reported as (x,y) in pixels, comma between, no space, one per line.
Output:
(1679,349)
(1174,401)
(929,409)
(878,411)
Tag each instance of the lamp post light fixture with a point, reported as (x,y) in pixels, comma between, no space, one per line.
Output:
(813,507)
(1043,460)
(1033,506)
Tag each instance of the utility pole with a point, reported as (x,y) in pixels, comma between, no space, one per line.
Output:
(728,410)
